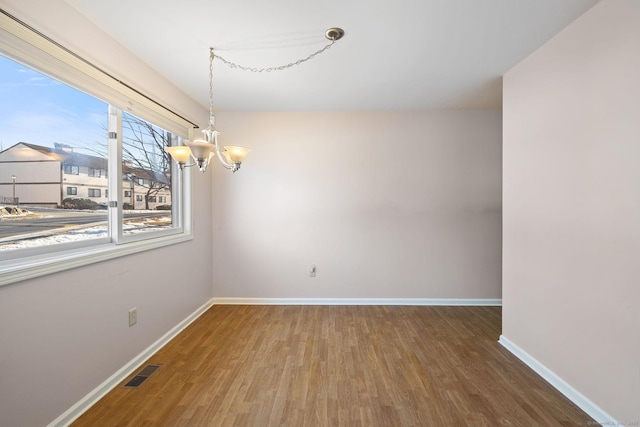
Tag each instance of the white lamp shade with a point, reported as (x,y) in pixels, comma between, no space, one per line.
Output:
(236,154)
(200,149)
(179,153)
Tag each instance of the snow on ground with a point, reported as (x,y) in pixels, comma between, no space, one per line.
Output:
(12,212)
(70,236)
(135,226)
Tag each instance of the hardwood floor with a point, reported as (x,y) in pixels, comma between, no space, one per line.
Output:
(338,366)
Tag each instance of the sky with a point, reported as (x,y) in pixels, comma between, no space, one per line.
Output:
(39,110)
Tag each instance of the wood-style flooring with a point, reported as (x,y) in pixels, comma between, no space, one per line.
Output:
(338,366)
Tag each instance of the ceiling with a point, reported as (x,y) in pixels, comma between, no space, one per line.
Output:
(396,55)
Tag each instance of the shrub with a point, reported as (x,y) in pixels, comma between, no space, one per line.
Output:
(79,204)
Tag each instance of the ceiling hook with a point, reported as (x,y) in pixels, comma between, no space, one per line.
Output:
(334,33)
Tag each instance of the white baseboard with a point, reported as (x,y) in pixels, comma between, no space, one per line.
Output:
(110,383)
(593,410)
(357,301)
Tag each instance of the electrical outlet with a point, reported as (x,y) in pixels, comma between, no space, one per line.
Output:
(133,316)
(312,271)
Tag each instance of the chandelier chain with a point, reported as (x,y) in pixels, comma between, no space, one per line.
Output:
(211,56)
(270,69)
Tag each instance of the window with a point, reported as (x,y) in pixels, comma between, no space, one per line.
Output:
(127,193)
(162,199)
(148,166)
(71,170)
(56,79)
(78,117)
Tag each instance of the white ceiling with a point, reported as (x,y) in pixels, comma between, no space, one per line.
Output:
(396,55)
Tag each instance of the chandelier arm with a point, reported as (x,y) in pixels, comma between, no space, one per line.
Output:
(216,148)
(186,165)
(270,69)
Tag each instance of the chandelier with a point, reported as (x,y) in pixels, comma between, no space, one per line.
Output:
(231,157)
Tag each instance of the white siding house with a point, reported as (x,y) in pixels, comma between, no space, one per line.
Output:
(46,176)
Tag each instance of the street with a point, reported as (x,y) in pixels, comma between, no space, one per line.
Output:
(51,219)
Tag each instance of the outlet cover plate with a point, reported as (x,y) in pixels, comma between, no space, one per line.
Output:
(133,316)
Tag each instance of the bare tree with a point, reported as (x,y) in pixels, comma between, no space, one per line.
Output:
(144,155)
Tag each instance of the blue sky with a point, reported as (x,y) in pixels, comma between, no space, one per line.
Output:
(39,110)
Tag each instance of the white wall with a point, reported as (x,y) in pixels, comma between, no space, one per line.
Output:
(62,335)
(387,205)
(572,207)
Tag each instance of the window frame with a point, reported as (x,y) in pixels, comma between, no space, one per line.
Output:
(25,45)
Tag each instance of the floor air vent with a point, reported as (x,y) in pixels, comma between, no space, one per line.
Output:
(141,376)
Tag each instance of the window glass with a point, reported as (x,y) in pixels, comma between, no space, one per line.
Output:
(57,145)
(51,135)
(71,169)
(147,167)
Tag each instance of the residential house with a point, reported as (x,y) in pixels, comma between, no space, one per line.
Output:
(47,176)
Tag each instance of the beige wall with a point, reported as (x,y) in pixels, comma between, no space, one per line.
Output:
(386,205)
(39,184)
(571,265)
(62,335)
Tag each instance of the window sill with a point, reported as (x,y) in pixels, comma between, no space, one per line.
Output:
(17,270)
